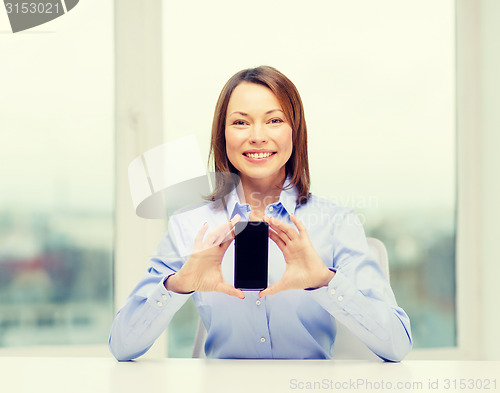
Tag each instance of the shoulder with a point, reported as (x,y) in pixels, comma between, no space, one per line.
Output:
(320,213)
(198,213)
(323,206)
(185,223)
(188,220)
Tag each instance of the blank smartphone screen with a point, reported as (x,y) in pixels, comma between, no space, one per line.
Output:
(250,255)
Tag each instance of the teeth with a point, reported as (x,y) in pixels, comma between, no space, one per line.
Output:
(258,155)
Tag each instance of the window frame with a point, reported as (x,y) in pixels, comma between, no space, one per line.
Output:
(139,127)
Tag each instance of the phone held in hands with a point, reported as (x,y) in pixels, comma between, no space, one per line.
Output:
(251,255)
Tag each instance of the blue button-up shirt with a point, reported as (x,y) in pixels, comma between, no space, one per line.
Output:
(293,324)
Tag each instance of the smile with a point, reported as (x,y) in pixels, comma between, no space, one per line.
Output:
(258,155)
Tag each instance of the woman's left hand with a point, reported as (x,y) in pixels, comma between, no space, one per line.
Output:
(304,267)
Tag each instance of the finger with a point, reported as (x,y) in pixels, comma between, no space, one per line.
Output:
(228,289)
(232,223)
(274,225)
(282,229)
(235,219)
(225,244)
(229,237)
(214,237)
(277,239)
(298,224)
(198,241)
(217,238)
(228,226)
(273,289)
(223,232)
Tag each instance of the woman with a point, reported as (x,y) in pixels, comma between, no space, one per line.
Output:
(320,267)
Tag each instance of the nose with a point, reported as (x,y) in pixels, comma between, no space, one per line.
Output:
(258,134)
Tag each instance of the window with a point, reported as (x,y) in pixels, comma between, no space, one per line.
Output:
(57,179)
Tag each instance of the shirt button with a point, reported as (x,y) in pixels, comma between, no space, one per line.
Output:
(159,304)
(332,291)
(340,298)
(271,208)
(164,297)
(257,302)
(262,340)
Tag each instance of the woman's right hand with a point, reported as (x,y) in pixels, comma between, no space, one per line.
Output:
(202,271)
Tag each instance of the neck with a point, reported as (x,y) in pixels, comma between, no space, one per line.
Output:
(262,192)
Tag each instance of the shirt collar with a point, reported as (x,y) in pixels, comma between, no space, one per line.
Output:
(287,198)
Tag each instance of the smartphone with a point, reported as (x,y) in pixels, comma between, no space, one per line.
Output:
(250,255)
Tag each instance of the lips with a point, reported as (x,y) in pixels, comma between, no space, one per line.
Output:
(259,155)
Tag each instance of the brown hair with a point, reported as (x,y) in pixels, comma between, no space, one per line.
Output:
(297,167)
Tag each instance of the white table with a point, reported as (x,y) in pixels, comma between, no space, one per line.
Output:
(94,375)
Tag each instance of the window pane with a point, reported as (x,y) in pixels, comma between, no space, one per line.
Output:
(378,91)
(56,175)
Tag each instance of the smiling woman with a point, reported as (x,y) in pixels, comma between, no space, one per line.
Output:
(260,111)
(320,269)
(260,145)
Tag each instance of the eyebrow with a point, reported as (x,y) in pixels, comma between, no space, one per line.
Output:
(246,114)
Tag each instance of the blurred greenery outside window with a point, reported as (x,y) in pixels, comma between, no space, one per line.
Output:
(57,180)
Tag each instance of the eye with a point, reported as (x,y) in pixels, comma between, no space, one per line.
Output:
(238,123)
(276,121)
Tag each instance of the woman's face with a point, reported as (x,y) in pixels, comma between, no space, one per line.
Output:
(258,136)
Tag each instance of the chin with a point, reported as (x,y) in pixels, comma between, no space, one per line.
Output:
(262,174)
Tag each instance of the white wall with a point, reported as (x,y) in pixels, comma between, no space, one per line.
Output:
(376,78)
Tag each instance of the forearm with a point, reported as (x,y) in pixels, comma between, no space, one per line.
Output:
(379,323)
(142,320)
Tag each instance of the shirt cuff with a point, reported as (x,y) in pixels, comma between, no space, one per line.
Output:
(333,294)
(161,298)
(344,302)
(170,296)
